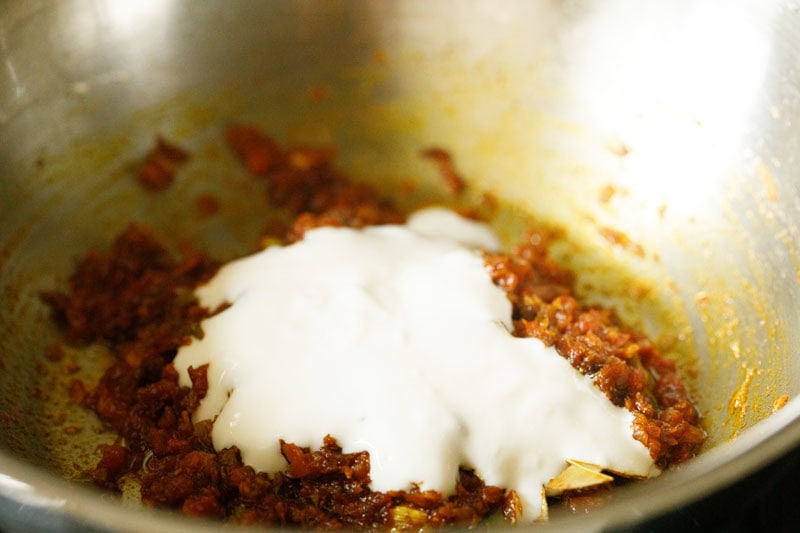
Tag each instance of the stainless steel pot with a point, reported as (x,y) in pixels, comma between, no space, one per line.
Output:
(674,123)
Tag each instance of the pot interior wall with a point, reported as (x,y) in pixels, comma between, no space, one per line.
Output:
(592,117)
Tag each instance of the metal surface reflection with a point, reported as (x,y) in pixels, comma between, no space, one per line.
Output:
(681,88)
(122,16)
(26,494)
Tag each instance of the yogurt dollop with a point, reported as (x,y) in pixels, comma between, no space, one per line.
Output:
(394,340)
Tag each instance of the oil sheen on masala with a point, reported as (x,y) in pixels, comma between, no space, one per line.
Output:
(394,340)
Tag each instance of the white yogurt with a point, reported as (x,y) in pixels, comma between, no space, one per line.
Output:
(394,340)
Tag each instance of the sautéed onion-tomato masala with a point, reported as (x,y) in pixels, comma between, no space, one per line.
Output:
(368,368)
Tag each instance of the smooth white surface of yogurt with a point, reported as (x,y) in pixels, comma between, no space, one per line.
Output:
(394,340)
